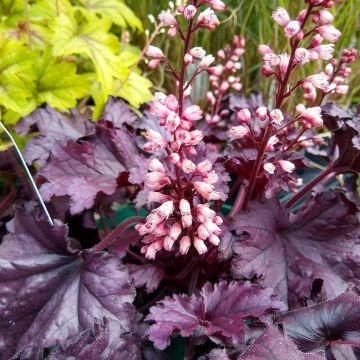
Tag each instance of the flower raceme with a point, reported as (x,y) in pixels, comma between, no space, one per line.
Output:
(181,186)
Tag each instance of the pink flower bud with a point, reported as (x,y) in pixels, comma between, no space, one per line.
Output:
(196,137)
(185,211)
(208,19)
(175,231)
(188,166)
(193,113)
(188,59)
(292,28)
(244,116)
(172,122)
(271,59)
(310,115)
(167,19)
(204,167)
(329,69)
(155,52)
(237,132)
(342,89)
(276,116)
(287,166)
(185,244)
(165,210)
(218,220)
(302,56)
(206,190)
(271,143)
(156,165)
(171,102)
(325,17)
(318,80)
(267,70)
(172,32)
(301,15)
(316,40)
(284,63)
(157,197)
(200,245)
(155,141)
(215,70)
(237,87)
(202,232)
(281,16)
(211,177)
(329,32)
(211,227)
(189,12)
(213,239)
(205,212)
(153,64)
(264,49)
(198,52)
(206,62)
(156,180)
(270,168)
(324,52)
(261,112)
(217,5)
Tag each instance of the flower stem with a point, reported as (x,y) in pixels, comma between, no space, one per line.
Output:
(344,342)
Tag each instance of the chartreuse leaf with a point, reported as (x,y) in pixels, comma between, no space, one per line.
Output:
(90,40)
(58,83)
(11,12)
(49,9)
(16,76)
(113,10)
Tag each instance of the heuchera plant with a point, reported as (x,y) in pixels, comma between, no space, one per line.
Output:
(208,231)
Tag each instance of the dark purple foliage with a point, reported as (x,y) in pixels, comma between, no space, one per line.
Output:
(321,243)
(51,289)
(219,310)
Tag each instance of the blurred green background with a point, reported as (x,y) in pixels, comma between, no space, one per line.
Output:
(252,19)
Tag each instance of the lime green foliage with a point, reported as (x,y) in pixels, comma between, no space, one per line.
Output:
(60,51)
(252,19)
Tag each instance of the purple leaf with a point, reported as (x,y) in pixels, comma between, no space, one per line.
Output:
(320,245)
(105,341)
(316,327)
(53,126)
(273,345)
(51,290)
(92,167)
(118,112)
(146,275)
(218,310)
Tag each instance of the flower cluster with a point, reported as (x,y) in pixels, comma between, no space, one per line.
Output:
(181,185)
(224,78)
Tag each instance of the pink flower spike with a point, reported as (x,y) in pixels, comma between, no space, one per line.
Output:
(276,116)
(198,52)
(156,165)
(193,113)
(281,16)
(185,244)
(188,166)
(270,168)
(329,32)
(167,19)
(287,166)
(200,245)
(243,116)
(189,12)
(155,52)
(292,28)
(302,56)
(237,132)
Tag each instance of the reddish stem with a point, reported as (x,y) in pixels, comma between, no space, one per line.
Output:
(116,232)
(344,342)
(309,186)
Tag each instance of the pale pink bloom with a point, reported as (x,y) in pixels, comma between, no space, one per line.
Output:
(261,112)
(237,87)
(200,245)
(172,32)
(215,70)
(198,52)
(156,180)
(302,56)
(204,212)
(325,17)
(310,115)
(166,209)
(155,52)
(159,97)
(238,132)
(192,113)
(211,98)
(171,103)
(329,69)
(155,141)
(174,158)
(202,232)
(159,109)
(153,64)
(204,167)
(316,40)
(168,243)
(324,52)
(287,166)
(167,19)
(189,12)
(175,230)
(267,70)
(284,63)
(156,165)
(342,89)
(185,244)
(188,59)
(206,62)
(213,239)
(151,251)
(188,166)
(244,116)
(196,137)
(329,88)
(218,220)
(271,59)
(208,19)
(318,80)
(153,221)
(276,116)
(157,197)
(329,32)
(338,80)
(292,28)
(271,143)
(217,5)
(185,212)
(310,96)
(211,227)
(211,177)
(270,168)
(172,121)
(206,190)
(264,49)
(281,16)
